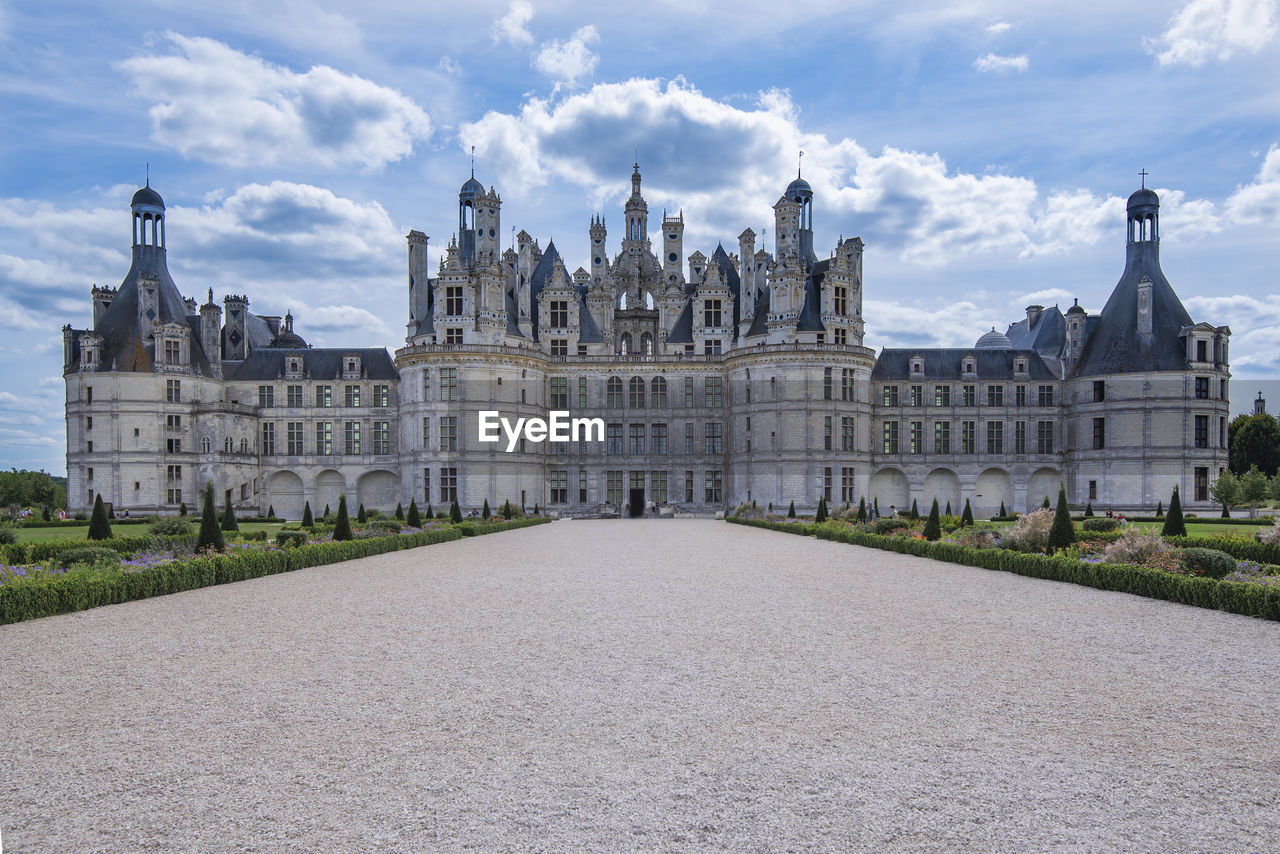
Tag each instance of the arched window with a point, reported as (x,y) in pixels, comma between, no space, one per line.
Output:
(205,445)
(646,342)
(613,393)
(244,446)
(636,389)
(227,445)
(625,346)
(658,388)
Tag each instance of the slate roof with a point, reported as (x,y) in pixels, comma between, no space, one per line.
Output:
(810,319)
(318,363)
(1115,347)
(538,280)
(1046,335)
(945,363)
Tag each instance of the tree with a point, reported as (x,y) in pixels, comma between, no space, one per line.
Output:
(1088,509)
(536,511)
(1046,504)
(430,513)
(791,513)
(862,509)
(455,512)
(1003,512)
(210,530)
(507,510)
(361,516)
(821,515)
(1174,524)
(933,527)
(99,525)
(271,511)
(414,520)
(342,527)
(915,509)
(948,510)
(1159,509)
(400,511)
(875,502)
(1062,533)
(1225,491)
(1254,440)
(1253,489)
(484,511)
(229,522)
(966,518)
(111,512)
(308,521)
(326,513)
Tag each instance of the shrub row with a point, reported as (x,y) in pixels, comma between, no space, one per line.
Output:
(61,594)
(1234,597)
(40,551)
(1238,547)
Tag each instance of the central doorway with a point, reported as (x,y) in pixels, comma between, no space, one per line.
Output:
(636,506)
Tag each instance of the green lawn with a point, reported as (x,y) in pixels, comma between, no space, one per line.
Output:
(30,535)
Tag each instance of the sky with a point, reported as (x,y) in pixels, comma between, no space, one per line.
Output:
(982,149)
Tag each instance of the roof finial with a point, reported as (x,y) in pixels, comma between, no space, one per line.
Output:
(473,161)
(1143,173)
(148,173)
(637,163)
(799,163)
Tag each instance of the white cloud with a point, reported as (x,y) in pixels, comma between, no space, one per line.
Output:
(511,26)
(994,62)
(339,323)
(999,27)
(566,63)
(955,324)
(217,104)
(1259,202)
(1255,328)
(1215,29)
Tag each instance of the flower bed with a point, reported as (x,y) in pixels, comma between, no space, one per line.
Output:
(1252,590)
(154,568)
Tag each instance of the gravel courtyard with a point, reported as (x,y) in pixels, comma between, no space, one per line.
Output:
(641,685)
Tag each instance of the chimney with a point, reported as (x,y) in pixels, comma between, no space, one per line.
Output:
(1260,405)
(1033,315)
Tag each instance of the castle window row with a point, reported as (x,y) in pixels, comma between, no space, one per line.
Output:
(973,437)
(352,396)
(350,438)
(968,397)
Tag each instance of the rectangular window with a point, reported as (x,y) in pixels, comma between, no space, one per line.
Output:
(266,395)
(426,485)
(848,489)
(448,383)
(453,335)
(827,387)
(352,437)
(1222,389)
(426,434)
(293,438)
(711,314)
(840,300)
(173,483)
(841,336)
(88,394)
(826,433)
(1202,431)
(1019,437)
(917,395)
(324,395)
(689,446)
(1202,483)
(352,395)
(635,393)
(1020,395)
(1099,433)
(582,392)
(448,485)
(560,347)
(713,440)
(268,439)
(1222,432)
(613,487)
(582,487)
(636,437)
(1202,351)
(426,390)
(559,393)
(382,395)
(942,395)
(293,395)
(917,437)
(559,314)
(173,422)
(1044,437)
(382,437)
(173,446)
(942,437)
(658,397)
(714,489)
(559,487)
(969,395)
(826,483)
(711,347)
(89,446)
(891,395)
(846,434)
(172,353)
(891,437)
(172,391)
(449,433)
(1093,490)
(995,437)
(713,392)
(688,487)
(659,445)
(1045,396)
(1099,391)
(658,487)
(453,300)
(848,389)
(995,395)
(324,437)
(1202,388)
(613,439)
(968,437)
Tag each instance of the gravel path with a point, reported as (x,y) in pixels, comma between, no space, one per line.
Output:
(640,685)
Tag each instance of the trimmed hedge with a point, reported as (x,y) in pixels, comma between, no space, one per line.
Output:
(1238,547)
(1234,597)
(61,594)
(41,551)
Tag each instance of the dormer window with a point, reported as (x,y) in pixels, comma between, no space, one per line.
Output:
(1020,366)
(917,366)
(968,366)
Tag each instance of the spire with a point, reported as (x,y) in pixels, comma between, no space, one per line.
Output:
(473,161)
(799,163)
(1143,173)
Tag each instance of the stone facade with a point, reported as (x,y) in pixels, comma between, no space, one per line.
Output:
(719,379)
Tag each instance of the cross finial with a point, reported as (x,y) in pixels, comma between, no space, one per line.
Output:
(1144,174)
(473,161)
(799,163)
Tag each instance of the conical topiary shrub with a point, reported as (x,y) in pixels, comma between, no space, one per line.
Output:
(342,526)
(948,510)
(99,524)
(271,511)
(1003,512)
(1046,505)
(507,511)
(229,522)
(933,526)
(966,518)
(182,509)
(361,516)
(862,509)
(455,512)
(308,521)
(915,509)
(1088,510)
(1160,509)
(413,520)
(875,502)
(400,511)
(1174,524)
(210,530)
(327,513)
(821,515)
(430,513)
(1062,533)
(791,513)
(484,511)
